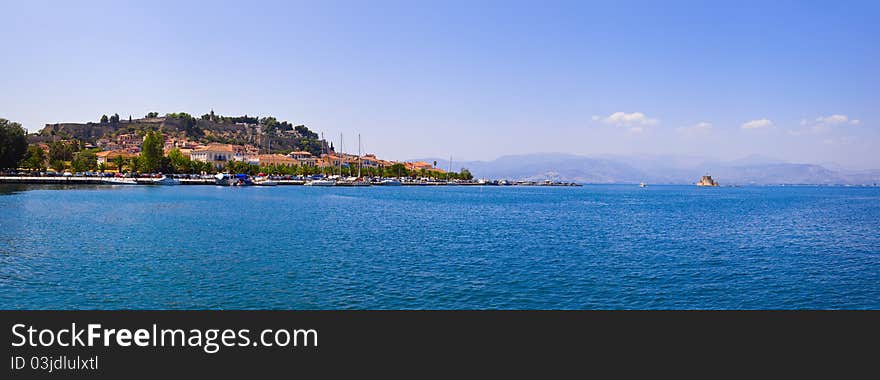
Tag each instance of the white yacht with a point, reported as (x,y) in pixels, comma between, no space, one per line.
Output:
(321,182)
(264,181)
(390,182)
(165,181)
(119,181)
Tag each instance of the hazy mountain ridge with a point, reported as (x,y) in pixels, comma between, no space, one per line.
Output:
(668,169)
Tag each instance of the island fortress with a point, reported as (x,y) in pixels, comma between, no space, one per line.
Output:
(707,181)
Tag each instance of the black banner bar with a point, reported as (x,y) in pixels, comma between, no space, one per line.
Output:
(418,343)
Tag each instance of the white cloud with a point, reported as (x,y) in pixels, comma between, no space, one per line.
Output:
(832,120)
(701,128)
(636,121)
(757,124)
(629,119)
(824,124)
(596,117)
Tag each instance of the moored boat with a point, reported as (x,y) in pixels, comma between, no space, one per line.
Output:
(165,181)
(321,182)
(389,182)
(226,179)
(352,181)
(264,181)
(119,181)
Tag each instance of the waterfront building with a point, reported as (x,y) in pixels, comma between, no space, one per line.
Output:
(370,161)
(108,156)
(276,159)
(218,154)
(303,158)
(421,165)
(330,160)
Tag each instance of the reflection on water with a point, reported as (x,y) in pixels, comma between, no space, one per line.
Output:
(14,188)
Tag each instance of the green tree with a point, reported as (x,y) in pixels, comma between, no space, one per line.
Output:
(178,162)
(134,164)
(104,119)
(152,115)
(465,174)
(152,152)
(119,162)
(35,159)
(57,165)
(13,144)
(84,161)
(61,150)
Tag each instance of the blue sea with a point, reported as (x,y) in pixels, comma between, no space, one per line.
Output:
(295,247)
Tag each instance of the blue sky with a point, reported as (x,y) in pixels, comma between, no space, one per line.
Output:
(475,80)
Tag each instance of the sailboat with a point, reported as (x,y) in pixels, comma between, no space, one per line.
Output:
(449,170)
(360,181)
(354,181)
(322,181)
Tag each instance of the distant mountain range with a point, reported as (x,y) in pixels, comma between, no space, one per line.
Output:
(659,170)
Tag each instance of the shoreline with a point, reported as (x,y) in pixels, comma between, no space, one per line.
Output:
(211,182)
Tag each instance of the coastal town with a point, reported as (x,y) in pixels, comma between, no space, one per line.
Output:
(237,151)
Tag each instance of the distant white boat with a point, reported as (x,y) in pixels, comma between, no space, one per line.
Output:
(643,184)
(264,181)
(226,179)
(166,181)
(390,182)
(352,181)
(119,181)
(321,182)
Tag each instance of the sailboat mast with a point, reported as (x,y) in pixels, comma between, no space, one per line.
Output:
(359,155)
(323,152)
(448,168)
(341,153)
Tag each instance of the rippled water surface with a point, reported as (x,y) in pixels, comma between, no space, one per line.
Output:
(294,247)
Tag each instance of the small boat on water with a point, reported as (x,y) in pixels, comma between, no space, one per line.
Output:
(389,182)
(643,184)
(264,181)
(165,181)
(321,182)
(352,181)
(119,181)
(226,179)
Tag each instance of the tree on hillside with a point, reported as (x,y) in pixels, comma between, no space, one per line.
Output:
(152,152)
(61,151)
(84,161)
(35,159)
(104,119)
(58,165)
(119,162)
(152,115)
(13,144)
(465,174)
(178,162)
